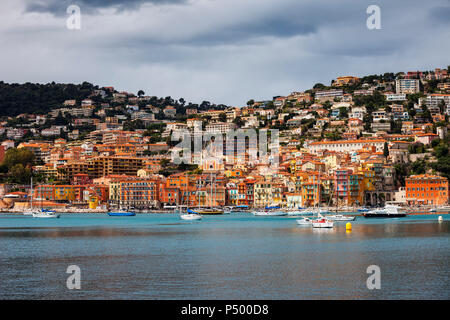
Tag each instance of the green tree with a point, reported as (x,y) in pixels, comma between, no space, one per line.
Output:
(18,173)
(223,117)
(15,156)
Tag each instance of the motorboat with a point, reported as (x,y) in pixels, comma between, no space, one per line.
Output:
(322,223)
(304,222)
(389,211)
(340,217)
(363,210)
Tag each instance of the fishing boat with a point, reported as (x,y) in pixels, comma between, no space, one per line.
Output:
(389,211)
(121,214)
(322,222)
(340,217)
(304,222)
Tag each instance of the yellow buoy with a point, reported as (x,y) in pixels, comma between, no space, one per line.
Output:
(348,226)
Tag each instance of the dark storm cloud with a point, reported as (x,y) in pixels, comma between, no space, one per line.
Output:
(441,14)
(58,7)
(220,50)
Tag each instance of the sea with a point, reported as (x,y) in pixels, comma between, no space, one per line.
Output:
(231,257)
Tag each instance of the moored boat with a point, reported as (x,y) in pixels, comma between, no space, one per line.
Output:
(190,215)
(322,223)
(440,209)
(45,214)
(121,214)
(340,217)
(269,213)
(304,222)
(208,211)
(389,211)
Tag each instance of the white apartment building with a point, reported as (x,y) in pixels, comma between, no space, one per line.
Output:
(345,146)
(395,97)
(407,86)
(433,100)
(220,127)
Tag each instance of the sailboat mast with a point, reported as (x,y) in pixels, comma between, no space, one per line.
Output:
(31,198)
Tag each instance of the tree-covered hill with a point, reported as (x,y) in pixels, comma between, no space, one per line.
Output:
(39,98)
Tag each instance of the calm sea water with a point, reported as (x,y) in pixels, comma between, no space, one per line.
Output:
(153,256)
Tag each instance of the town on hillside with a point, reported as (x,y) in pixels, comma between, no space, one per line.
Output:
(357,142)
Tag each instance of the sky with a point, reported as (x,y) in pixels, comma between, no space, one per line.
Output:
(222,51)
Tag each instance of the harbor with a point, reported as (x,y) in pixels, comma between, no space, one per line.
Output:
(235,256)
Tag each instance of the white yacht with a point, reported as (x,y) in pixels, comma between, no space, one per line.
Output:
(389,211)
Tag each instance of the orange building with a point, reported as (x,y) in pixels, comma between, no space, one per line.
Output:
(427,190)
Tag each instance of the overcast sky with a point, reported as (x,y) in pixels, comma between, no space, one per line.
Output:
(223,51)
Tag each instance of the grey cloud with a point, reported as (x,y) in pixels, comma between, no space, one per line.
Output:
(441,14)
(58,7)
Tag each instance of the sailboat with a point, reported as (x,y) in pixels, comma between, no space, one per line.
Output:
(30,211)
(209,210)
(189,215)
(339,217)
(45,213)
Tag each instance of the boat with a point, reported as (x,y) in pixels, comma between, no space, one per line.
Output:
(322,222)
(304,222)
(389,211)
(340,217)
(269,213)
(191,215)
(363,210)
(121,214)
(30,211)
(43,213)
(296,213)
(236,209)
(208,211)
(272,207)
(440,209)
